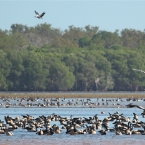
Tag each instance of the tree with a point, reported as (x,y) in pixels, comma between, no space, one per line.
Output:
(5,66)
(61,79)
(34,76)
(106,39)
(17,68)
(131,38)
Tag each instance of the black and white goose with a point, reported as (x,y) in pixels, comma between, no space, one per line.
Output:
(39,16)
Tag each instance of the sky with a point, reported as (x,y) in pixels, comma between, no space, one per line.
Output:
(108,15)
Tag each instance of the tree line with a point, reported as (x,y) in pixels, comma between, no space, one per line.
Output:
(43,58)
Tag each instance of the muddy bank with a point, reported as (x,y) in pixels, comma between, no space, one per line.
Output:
(72,95)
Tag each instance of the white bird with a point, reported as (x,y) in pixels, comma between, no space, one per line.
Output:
(139,70)
(39,16)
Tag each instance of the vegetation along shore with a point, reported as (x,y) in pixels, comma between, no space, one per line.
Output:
(43,58)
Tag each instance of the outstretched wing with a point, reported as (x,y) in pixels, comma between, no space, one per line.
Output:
(139,70)
(131,106)
(42,14)
(140,107)
(36,13)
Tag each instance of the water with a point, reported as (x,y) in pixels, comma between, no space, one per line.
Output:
(66,112)
(22,136)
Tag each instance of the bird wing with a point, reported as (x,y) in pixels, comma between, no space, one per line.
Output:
(140,107)
(142,71)
(131,106)
(139,70)
(136,69)
(36,13)
(42,14)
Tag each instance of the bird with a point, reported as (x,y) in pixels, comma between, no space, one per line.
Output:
(39,16)
(131,106)
(140,107)
(139,70)
(8,132)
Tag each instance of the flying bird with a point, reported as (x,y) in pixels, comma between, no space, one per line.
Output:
(139,70)
(131,106)
(140,107)
(39,16)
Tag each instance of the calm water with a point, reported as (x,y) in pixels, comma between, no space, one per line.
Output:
(21,134)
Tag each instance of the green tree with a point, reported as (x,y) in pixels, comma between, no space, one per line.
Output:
(61,79)
(5,66)
(17,68)
(106,39)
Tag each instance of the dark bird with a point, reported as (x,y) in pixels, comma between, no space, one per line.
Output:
(140,107)
(131,106)
(39,16)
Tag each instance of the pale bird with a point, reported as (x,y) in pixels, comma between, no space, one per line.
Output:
(139,70)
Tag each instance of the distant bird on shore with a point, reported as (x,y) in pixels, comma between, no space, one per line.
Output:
(39,16)
(139,70)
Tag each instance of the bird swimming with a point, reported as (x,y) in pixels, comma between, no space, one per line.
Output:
(38,15)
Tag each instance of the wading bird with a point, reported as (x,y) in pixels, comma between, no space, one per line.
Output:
(39,16)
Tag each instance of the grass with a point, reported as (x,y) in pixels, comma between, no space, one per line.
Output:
(72,95)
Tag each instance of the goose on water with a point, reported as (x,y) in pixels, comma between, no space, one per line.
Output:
(9,133)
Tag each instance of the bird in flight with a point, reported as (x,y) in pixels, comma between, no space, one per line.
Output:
(140,107)
(131,106)
(39,16)
(139,70)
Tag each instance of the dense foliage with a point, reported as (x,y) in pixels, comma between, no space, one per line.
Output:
(43,58)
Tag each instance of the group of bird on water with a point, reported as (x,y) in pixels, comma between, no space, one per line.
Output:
(42,125)
(27,102)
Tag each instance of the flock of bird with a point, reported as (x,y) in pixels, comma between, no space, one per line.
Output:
(68,102)
(115,123)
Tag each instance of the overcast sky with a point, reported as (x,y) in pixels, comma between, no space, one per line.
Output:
(108,15)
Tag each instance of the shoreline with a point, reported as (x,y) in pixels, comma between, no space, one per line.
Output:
(71,95)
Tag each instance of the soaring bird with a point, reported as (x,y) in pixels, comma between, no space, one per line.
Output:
(39,16)
(139,70)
